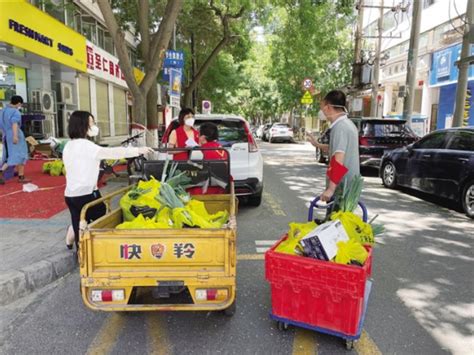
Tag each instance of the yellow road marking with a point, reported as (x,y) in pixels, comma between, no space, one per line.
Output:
(304,342)
(366,346)
(157,333)
(250,256)
(107,335)
(275,206)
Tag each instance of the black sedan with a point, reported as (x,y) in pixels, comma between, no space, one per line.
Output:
(441,163)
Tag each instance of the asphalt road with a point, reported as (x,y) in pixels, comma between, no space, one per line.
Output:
(421,303)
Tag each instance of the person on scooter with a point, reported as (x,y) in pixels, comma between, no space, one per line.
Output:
(81,159)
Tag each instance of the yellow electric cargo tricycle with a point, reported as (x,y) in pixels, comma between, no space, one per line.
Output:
(187,269)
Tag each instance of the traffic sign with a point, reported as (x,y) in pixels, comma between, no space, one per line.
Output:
(206,107)
(307,99)
(307,84)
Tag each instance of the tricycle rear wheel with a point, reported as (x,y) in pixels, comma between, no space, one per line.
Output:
(230,311)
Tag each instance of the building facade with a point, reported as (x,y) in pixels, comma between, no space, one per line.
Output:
(59,57)
(440,31)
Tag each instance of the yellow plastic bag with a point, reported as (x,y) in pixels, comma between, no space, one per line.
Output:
(164,216)
(141,222)
(295,234)
(350,250)
(185,216)
(198,209)
(143,195)
(355,227)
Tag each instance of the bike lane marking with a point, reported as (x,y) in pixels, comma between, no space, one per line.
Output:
(366,346)
(157,334)
(304,342)
(107,336)
(273,203)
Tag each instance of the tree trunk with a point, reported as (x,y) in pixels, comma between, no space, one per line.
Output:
(139,109)
(188,97)
(152,116)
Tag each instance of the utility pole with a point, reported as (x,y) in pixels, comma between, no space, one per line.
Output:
(375,81)
(356,68)
(463,69)
(412,61)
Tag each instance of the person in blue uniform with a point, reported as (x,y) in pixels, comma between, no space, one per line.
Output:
(15,150)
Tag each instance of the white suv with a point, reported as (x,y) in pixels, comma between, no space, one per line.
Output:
(280,131)
(246,162)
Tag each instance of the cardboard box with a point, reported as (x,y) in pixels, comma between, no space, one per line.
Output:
(321,242)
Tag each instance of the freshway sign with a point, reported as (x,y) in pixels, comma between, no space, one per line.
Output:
(24,26)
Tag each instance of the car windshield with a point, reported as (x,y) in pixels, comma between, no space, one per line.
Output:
(230,131)
(381,129)
(281,125)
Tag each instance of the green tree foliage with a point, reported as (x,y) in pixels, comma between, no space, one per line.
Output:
(310,39)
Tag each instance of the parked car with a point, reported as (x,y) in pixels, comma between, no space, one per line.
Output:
(280,132)
(246,162)
(376,136)
(441,163)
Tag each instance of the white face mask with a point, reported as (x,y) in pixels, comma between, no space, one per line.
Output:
(322,116)
(189,122)
(93,131)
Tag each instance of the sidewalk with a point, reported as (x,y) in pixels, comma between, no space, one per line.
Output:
(33,252)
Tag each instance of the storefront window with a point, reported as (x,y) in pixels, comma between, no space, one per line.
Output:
(89,29)
(120,112)
(55,9)
(84,94)
(12,82)
(103,117)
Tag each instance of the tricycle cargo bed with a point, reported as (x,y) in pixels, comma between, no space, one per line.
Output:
(160,269)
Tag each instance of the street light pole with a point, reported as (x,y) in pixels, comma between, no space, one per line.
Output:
(463,70)
(358,46)
(412,61)
(375,81)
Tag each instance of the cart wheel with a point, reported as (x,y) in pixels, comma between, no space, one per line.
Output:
(230,311)
(349,344)
(282,326)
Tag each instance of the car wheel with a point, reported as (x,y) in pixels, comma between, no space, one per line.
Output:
(320,156)
(389,175)
(468,199)
(255,200)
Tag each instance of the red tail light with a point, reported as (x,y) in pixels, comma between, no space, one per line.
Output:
(253,147)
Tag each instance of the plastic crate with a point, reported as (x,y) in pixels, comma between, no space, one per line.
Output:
(318,293)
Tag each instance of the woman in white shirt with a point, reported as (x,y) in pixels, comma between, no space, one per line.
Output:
(81,159)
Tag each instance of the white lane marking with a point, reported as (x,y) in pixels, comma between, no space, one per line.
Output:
(265,242)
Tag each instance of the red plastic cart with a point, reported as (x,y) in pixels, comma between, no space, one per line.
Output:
(319,295)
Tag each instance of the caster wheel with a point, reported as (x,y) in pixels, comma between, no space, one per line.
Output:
(349,344)
(282,326)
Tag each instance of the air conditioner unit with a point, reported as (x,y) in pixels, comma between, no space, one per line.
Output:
(36,96)
(47,102)
(65,90)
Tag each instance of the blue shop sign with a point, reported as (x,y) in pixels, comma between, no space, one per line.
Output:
(443,66)
(174,59)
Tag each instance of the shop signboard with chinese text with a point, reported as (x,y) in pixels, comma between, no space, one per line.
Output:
(444,70)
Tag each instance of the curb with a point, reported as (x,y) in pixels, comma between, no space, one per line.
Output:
(19,283)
